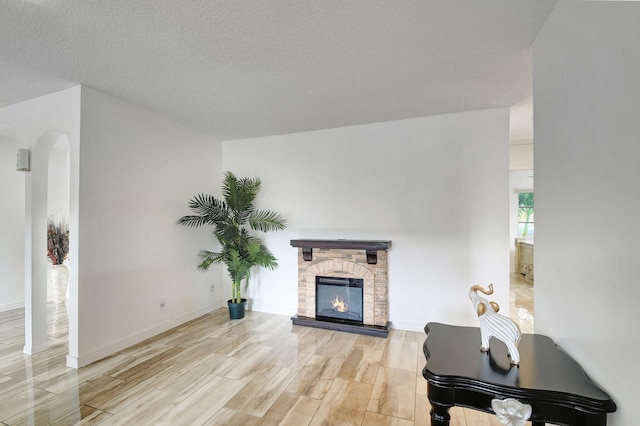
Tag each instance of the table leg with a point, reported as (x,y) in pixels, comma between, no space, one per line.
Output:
(440,415)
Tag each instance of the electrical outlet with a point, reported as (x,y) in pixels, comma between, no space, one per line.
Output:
(162,304)
(211,288)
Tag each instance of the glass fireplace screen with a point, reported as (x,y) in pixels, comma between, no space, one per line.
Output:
(339,299)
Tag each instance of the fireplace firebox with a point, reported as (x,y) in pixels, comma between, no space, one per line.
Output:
(339,299)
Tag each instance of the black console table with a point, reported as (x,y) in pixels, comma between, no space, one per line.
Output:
(551,382)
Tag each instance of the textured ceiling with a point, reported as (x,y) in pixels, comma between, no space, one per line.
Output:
(237,69)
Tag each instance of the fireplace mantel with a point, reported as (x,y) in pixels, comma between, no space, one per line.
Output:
(370,246)
(343,244)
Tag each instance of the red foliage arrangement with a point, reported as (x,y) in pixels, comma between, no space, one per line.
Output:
(57,241)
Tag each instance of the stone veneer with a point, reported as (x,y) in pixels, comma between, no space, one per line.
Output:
(345,263)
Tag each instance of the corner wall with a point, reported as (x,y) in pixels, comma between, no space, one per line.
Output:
(437,187)
(138,172)
(586,96)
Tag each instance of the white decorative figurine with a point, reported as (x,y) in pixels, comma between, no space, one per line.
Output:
(495,325)
(511,412)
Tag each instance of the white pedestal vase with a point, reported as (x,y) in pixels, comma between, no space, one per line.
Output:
(58,281)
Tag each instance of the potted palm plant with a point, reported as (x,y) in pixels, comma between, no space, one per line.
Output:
(232,219)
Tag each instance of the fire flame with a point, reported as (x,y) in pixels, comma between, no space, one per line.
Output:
(339,305)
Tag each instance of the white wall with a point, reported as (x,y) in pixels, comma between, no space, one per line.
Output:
(586,96)
(11,227)
(58,193)
(521,155)
(437,187)
(137,173)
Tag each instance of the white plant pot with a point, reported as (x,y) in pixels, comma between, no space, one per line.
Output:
(58,281)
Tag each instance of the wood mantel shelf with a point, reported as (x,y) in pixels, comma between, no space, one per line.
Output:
(343,244)
(371,247)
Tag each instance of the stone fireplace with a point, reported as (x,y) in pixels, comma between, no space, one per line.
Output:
(344,261)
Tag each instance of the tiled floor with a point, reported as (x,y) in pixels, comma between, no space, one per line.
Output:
(521,303)
(212,371)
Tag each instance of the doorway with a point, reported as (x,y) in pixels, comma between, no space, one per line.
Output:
(522,232)
(58,211)
(39,200)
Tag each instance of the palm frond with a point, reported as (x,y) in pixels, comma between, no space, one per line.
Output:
(204,204)
(235,193)
(239,194)
(227,234)
(192,221)
(265,258)
(210,211)
(230,188)
(250,187)
(242,216)
(208,259)
(267,220)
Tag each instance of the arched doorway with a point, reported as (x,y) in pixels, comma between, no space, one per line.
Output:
(38,201)
(58,214)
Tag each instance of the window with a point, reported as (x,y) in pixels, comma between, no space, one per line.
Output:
(525,214)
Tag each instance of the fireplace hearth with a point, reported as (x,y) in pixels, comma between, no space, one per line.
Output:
(343,285)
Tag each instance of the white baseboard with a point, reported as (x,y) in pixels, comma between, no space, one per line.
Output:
(280,310)
(408,326)
(72,362)
(11,306)
(107,350)
(32,350)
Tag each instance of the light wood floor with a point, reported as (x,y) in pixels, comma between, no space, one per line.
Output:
(212,371)
(521,303)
